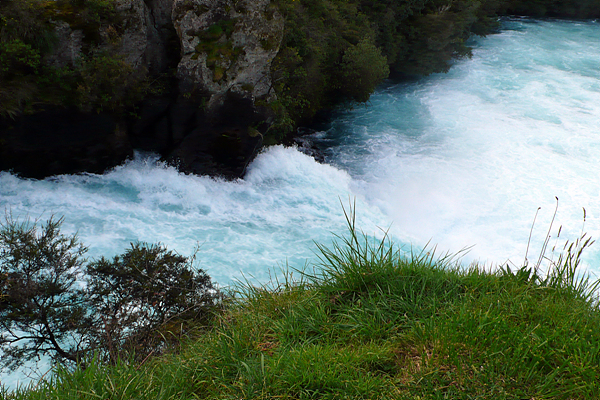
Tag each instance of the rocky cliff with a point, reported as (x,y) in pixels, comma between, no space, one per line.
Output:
(227,47)
(212,59)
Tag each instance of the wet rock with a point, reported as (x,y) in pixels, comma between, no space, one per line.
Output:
(221,144)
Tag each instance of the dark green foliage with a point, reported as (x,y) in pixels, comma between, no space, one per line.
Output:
(24,36)
(42,307)
(433,37)
(307,69)
(98,81)
(487,17)
(95,83)
(18,59)
(106,83)
(85,15)
(388,18)
(363,68)
(146,297)
(19,67)
(25,20)
(336,50)
(52,302)
(555,8)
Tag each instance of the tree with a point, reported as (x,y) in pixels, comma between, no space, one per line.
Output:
(144,297)
(43,309)
(55,303)
(363,68)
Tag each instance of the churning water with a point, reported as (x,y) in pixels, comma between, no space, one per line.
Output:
(467,157)
(461,159)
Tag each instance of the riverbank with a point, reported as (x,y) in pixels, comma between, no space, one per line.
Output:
(374,323)
(207,83)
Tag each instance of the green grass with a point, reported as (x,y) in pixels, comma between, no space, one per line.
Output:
(372,323)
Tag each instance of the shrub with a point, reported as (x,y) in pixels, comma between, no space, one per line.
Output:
(56,304)
(19,64)
(25,20)
(108,83)
(363,68)
(42,309)
(146,296)
(101,81)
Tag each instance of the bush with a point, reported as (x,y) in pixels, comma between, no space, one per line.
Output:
(363,68)
(42,308)
(25,20)
(18,58)
(19,64)
(54,303)
(147,297)
(108,83)
(100,81)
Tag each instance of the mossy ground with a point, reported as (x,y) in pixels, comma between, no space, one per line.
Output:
(372,323)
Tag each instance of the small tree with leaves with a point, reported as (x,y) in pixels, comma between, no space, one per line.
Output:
(363,68)
(145,299)
(54,303)
(43,309)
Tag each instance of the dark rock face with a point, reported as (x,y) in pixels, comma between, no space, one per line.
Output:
(59,141)
(218,144)
(162,49)
(222,144)
(62,142)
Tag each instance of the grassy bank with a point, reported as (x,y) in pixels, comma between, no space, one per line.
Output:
(373,323)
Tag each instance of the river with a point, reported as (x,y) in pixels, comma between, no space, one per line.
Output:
(457,160)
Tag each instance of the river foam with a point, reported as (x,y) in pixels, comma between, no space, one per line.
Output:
(245,227)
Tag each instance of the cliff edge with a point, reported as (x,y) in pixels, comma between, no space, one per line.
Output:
(178,77)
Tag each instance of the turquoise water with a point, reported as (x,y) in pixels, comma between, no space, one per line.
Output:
(461,159)
(466,158)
